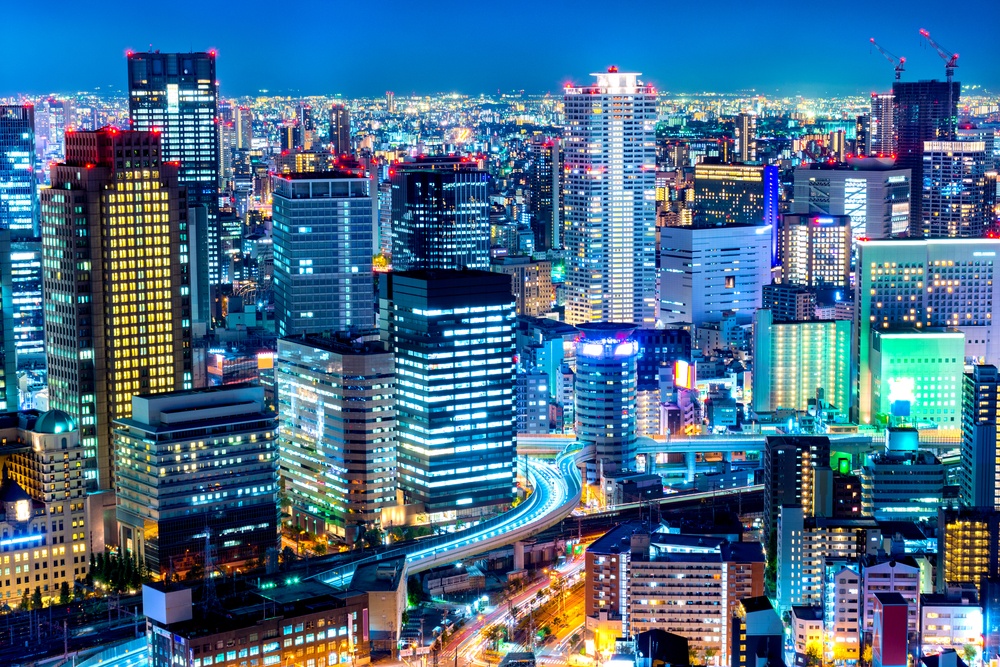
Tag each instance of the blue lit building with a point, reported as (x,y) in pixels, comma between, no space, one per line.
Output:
(440,214)
(195,462)
(26,298)
(17,172)
(452,334)
(606,374)
(323,248)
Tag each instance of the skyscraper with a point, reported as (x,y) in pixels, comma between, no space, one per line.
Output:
(17,172)
(323,250)
(746,138)
(979,472)
(921,112)
(176,94)
(440,214)
(117,282)
(816,251)
(610,200)
(875,192)
(452,335)
(8,359)
(958,196)
(337,432)
(882,128)
(545,188)
(790,464)
(340,129)
(244,128)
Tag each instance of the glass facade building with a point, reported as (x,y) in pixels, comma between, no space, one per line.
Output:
(197,463)
(958,194)
(440,214)
(17,172)
(337,412)
(452,335)
(740,194)
(176,94)
(116,253)
(606,376)
(323,249)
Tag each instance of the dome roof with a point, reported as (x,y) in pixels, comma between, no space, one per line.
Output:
(54,421)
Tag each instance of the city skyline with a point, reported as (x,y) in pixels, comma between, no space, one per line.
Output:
(766,53)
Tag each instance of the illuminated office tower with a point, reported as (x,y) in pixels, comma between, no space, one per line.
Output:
(337,431)
(932,283)
(340,129)
(735,194)
(794,361)
(26,296)
(176,94)
(958,194)
(816,251)
(545,188)
(117,282)
(440,214)
(9,398)
(390,101)
(606,375)
(862,139)
(307,124)
(452,335)
(746,138)
(922,111)
(979,471)
(244,128)
(323,250)
(882,127)
(609,200)
(189,463)
(875,192)
(227,133)
(17,171)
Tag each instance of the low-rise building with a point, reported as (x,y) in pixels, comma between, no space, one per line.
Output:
(950,620)
(807,632)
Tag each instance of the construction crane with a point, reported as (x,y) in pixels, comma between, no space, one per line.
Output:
(950,59)
(950,63)
(896,62)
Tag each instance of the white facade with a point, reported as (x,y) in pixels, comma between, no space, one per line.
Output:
(878,200)
(949,624)
(891,577)
(842,601)
(926,283)
(707,271)
(610,200)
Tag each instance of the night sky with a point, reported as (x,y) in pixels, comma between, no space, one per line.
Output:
(365,47)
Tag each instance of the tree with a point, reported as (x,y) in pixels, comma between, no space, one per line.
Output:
(814,654)
(36,598)
(64,592)
(372,538)
(969,653)
(25,602)
(866,655)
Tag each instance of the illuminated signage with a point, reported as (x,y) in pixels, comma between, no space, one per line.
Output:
(683,377)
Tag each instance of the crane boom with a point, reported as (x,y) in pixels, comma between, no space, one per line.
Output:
(950,59)
(897,63)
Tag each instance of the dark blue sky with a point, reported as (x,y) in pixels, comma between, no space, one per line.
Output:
(365,47)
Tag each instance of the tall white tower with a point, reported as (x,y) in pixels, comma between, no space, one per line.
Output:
(610,200)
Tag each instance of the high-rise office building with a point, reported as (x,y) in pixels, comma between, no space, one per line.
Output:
(531,282)
(545,192)
(117,282)
(874,192)
(17,172)
(340,130)
(606,357)
(745,134)
(790,464)
(936,283)
(323,250)
(9,397)
(307,124)
(862,137)
(440,214)
(816,251)
(609,200)
(176,94)
(337,430)
(735,194)
(979,470)
(922,111)
(244,128)
(958,195)
(452,335)
(708,271)
(882,127)
(390,101)
(26,298)
(795,362)
(195,462)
